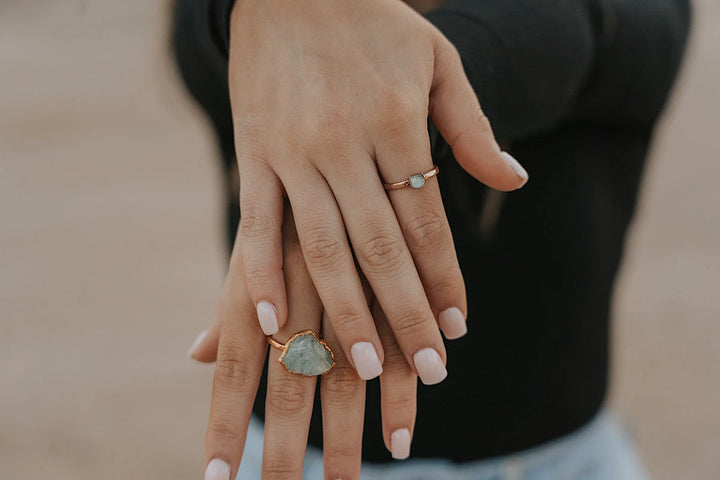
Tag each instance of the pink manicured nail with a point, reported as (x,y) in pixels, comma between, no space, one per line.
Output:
(521,172)
(452,323)
(217,470)
(429,366)
(366,360)
(267,316)
(400,444)
(195,344)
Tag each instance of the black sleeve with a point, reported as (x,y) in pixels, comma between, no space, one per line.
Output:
(531,63)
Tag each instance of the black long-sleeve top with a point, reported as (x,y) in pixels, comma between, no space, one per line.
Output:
(573,88)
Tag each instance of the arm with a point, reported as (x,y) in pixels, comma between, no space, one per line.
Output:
(312,114)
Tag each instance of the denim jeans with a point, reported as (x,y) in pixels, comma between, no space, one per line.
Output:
(601,450)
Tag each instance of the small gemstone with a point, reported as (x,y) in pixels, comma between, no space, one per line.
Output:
(417,180)
(307,356)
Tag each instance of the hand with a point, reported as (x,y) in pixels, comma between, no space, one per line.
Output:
(325,95)
(240,348)
(424,6)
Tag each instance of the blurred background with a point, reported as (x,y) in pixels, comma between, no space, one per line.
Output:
(112,255)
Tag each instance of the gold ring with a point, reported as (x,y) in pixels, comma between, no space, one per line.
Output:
(305,353)
(416,180)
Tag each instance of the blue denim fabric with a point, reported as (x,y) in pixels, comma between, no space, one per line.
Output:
(601,450)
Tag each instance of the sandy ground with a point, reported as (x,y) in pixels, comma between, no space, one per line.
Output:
(111,255)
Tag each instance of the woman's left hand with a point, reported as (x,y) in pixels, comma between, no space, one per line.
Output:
(240,348)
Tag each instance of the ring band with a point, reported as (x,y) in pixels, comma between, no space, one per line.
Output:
(305,353)
(415,181)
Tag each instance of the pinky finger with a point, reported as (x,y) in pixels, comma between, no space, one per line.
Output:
(204,348)
(398,392)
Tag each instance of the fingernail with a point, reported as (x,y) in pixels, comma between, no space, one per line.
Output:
(366,360)
(400,444)
(195,344)
(521,172)
(217,470)
(452,323)
(267,316)
(429,366)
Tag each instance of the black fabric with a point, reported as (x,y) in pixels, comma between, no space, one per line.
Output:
(573,89)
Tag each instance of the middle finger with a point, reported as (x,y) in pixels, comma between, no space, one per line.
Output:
(290,396)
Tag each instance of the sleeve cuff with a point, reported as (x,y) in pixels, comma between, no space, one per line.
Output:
(220,19)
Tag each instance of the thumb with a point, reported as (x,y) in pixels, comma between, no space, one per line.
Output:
(205,347)
(455,110)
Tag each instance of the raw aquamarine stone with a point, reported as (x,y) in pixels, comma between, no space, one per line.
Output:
(307,356)
(417,180)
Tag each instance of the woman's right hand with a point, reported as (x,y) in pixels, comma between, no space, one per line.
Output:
(329,98)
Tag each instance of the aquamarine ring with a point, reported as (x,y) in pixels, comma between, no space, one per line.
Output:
(305,354)
(415,181)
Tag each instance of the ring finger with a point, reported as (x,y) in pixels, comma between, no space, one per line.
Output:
(384,258)
(290,396)
(424,224)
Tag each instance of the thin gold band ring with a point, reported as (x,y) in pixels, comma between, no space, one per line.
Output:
(416,180)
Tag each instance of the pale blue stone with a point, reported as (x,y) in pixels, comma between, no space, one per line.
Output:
(417,180)
(307,356)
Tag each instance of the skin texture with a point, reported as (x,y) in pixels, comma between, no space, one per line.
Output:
(348,109)
(329,100)
(239,346)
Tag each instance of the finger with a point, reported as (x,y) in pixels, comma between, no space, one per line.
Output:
(423,222)
(290,396)
(204,348)
(385,260)
(261,214)
(455,110)
(240,359)
(342,394)
(398,389)
(331,265)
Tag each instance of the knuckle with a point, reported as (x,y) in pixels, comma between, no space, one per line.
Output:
(448,287)
(324,249)
(427,231)
(258,275)
(342,384)
(346,318)
(222,430)
(288,397)
(383,253)
(331,130)
(255,223)
(278,467)
(342,451)
(232,369)
(411,322)
(400,109)
(335,118)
